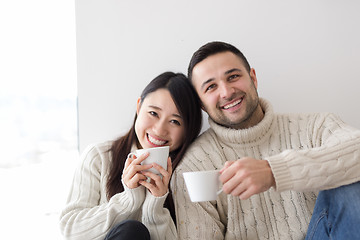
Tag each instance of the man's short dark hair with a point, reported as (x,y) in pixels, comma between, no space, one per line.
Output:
(212,48)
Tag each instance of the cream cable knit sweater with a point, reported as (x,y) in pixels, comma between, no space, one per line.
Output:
(89,215)
(307,153)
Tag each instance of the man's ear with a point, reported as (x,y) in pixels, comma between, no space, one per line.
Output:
(253,77)
(203,107)
(138,103)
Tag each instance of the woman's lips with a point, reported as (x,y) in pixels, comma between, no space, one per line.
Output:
(155,141)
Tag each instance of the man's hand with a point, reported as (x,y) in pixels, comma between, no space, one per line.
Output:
(246,177)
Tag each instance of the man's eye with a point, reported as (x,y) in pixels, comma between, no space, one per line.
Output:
(232,77)
(210,87)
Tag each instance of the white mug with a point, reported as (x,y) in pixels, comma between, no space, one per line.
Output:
(203,185)
(157,155)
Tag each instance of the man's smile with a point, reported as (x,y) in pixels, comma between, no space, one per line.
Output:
(232,104)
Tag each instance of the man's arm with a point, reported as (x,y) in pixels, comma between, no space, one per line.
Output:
(332,160)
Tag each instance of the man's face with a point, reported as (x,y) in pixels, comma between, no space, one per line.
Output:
(227,91)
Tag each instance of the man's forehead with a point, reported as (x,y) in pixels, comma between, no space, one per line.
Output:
(214,66)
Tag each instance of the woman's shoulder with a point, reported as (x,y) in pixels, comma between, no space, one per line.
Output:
(96,149)
(98,146)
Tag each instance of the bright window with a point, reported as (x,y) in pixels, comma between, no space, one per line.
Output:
(38,123)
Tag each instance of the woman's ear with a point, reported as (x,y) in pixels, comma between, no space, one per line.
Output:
(138,105)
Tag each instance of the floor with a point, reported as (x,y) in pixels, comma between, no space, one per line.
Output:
(33,194)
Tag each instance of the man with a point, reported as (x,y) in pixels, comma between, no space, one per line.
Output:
(272,165)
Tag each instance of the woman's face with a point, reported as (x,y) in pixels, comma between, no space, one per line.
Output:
(159,122)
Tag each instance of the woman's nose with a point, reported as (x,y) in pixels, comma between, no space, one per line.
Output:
(160,128)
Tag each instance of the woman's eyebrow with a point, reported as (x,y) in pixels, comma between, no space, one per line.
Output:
(177,115)
(156,107)
(159,108)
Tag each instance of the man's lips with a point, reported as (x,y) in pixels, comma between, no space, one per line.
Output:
(232,104)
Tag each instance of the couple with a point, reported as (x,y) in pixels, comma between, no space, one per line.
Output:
(285,176)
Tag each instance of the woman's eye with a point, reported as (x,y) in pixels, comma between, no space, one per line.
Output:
(152,113)
(175,122)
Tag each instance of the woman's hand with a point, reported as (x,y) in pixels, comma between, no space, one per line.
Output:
(132,171)
(158,185)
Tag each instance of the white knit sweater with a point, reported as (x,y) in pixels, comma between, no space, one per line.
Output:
(89,215)
(306,152)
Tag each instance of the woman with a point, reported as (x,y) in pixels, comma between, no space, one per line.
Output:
(110,196)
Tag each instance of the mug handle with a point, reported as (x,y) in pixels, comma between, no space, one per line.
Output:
(221,190)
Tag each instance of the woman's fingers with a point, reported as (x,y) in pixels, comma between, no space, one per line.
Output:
(169,165)
(128,162)
(141,158)
(158,186)
(134,181)
(132,170)
(133,163)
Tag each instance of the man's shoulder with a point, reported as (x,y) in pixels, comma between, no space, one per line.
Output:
(204,153)
(307,116)
(204,140)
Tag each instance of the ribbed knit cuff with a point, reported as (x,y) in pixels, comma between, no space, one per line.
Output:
(283,180)
(137,195)
(153,206)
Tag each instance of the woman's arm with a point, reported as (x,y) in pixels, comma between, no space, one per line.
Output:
(157,218)
(88,215)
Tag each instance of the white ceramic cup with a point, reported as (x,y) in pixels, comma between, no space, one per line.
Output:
(203,185)
(157,155)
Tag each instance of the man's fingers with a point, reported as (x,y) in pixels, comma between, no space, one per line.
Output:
(226,165)
(228,172)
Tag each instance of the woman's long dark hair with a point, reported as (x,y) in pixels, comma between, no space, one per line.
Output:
(188,104)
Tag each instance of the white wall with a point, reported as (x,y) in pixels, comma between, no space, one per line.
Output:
(306,53)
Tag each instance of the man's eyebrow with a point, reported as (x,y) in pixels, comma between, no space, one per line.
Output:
(233,70)
(226,73)
(206,82)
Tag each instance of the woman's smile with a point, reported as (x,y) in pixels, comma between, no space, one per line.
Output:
(155,141)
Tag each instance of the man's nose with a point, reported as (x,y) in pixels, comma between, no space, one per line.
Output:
(226,90)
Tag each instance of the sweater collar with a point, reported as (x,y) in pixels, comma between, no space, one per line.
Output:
(246,136)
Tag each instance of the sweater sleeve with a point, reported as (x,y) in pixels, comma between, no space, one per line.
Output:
(195,220)
(157,218)
(85,216)
(332,160)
